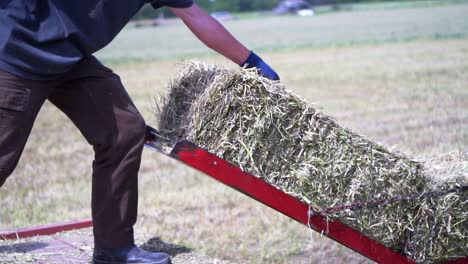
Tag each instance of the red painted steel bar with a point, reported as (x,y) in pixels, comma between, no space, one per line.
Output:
(261,191)
(44,230)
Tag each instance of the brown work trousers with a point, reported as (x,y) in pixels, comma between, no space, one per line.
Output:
(93,97)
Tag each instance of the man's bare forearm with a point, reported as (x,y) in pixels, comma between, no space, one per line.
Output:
(212,33)
(215,36)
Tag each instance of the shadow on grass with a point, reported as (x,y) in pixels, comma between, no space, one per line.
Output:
(155,244)
(22,247)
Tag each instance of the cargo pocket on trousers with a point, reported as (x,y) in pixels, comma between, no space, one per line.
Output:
(13,105)
(12,101)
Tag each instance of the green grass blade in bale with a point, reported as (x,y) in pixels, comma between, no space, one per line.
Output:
(268,131)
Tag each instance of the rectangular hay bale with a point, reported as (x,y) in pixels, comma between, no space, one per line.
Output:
(271,133)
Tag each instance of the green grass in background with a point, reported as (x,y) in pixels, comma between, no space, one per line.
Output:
(373,6)
(290,32)
(370,6)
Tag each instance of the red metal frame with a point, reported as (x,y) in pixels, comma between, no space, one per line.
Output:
(44,230)
(261,191)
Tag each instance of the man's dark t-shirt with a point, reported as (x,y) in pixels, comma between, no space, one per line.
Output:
(42,39)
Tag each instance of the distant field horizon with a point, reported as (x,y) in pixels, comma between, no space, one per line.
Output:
(276,33)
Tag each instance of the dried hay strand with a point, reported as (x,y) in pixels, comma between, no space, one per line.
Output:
(271,133)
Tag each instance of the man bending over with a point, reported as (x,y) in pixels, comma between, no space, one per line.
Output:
(46,49)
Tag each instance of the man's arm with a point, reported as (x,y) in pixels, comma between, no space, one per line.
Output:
(212,33)
(216,37)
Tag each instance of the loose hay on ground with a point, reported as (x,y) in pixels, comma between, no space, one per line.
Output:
(268,131)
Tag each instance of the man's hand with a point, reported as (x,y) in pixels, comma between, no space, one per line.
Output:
(216,37)
(254,61)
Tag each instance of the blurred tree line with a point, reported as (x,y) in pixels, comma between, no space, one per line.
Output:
(210,6)
(236,5)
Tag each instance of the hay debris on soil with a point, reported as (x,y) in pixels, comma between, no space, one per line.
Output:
(268,131)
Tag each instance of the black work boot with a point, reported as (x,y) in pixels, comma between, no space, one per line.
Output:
(129,254)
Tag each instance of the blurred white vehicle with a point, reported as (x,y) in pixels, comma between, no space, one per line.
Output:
(223,16)
(305,12)
(293,6)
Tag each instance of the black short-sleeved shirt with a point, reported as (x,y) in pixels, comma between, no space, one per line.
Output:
(42,39)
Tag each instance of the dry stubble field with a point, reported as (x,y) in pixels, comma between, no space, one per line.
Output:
(411,95)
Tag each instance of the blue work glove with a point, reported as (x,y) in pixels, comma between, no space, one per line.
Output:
(254,61)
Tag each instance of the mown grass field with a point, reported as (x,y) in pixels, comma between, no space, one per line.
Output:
(399,76)
(291,32)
